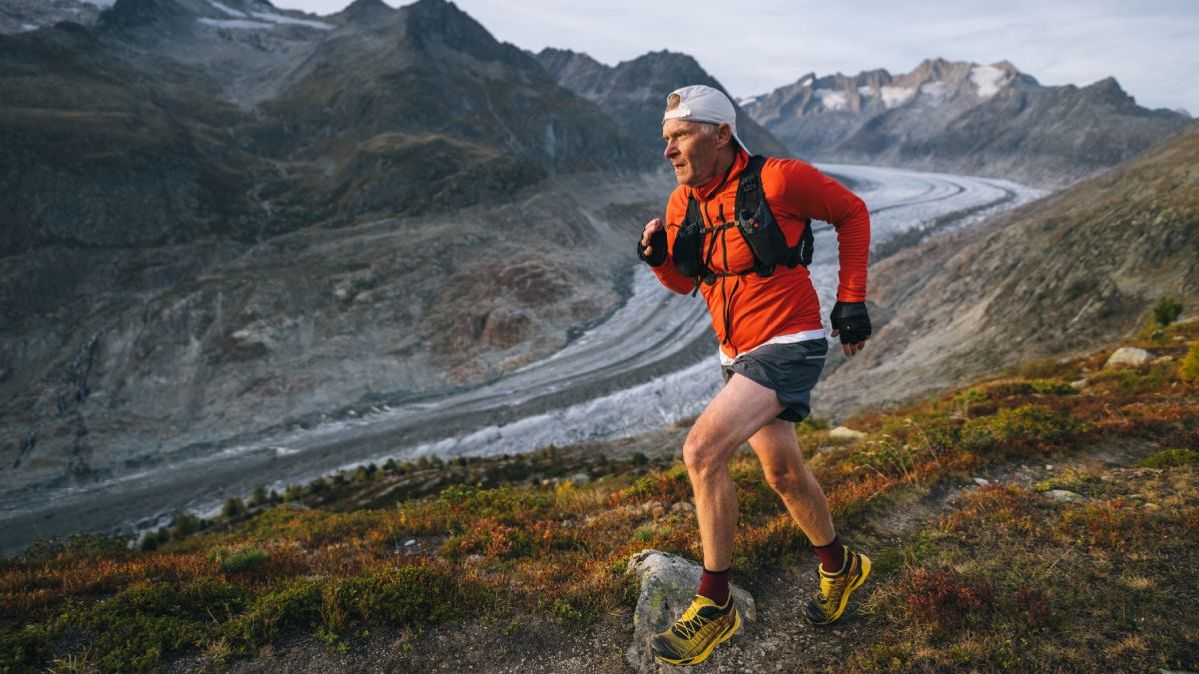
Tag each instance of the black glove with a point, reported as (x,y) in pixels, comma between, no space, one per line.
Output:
(851,321)
(657,245)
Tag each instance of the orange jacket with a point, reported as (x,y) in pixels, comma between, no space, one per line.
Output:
(753,308)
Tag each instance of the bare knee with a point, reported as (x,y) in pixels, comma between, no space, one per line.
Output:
(784,479)
(703,459)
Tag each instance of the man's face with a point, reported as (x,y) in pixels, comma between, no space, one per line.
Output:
(691,151)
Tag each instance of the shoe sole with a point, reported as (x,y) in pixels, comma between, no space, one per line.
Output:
(865,564)
(696,659)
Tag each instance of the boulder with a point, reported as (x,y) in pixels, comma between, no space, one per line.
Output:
(1128,355)
(1064,495)
(668,584)
(844,433)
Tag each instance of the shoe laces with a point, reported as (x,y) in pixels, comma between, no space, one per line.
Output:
(831,587)
(691,622)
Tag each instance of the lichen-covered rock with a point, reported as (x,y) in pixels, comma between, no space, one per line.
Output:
(1128,355)
(668,584)
(1064,495)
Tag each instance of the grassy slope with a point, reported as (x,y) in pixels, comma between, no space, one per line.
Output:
(995,578)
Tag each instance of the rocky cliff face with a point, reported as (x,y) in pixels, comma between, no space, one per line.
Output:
(1056,277)
(221,218)
(963,118)
(634,93)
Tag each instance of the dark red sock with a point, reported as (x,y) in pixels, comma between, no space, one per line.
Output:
(832,556)
(715,586)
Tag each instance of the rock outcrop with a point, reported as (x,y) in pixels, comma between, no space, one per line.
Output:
(668,585)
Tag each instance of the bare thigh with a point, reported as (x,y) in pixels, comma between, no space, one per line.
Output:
(736,413)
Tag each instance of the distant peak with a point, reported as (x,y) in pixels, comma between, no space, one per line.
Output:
(366,9)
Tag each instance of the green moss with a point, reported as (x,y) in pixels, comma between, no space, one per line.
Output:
(1072,480)
(408,595)
(1168,458)
(144,624)
(1135,381)
(1051,387)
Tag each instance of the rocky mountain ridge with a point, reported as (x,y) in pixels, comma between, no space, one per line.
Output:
(1050,279)
(960,117)
(633,92)
(192,254)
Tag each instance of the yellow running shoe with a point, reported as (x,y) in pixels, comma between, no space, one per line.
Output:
(829,602)
(690,640)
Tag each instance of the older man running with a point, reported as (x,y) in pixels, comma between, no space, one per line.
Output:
(738,230)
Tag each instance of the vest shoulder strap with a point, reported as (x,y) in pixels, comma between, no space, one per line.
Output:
(749,190)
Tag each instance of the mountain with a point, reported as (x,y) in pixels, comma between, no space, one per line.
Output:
(965,118)
(1053,278)
(19,16)
(426,83)
(634,93)
(222,219)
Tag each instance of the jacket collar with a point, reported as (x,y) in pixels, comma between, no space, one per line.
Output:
(709,189)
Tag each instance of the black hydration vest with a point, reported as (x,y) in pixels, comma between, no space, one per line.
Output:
(755,222)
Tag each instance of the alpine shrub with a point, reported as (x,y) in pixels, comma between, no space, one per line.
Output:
(1167,311)
(1189,368)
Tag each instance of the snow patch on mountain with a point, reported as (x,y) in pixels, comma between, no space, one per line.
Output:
(934,90)
(897,96)
(279,18)
(227,9)
(987,79)
(832,100)
(235,23)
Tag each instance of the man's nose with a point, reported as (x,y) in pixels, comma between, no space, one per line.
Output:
(671,149)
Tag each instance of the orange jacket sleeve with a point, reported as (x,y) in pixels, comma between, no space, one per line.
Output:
(808,193)
(667,273)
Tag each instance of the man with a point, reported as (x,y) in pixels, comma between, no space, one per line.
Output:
(772,343)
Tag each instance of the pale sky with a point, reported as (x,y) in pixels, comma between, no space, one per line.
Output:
(1149,46)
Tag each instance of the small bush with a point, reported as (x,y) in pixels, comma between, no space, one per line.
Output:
(1168,458)
(1188,370)
(258,496)
(1021,426)
(944,600)
(296,604)
(233,507)
(184,525)
(1167,311)
(240,559)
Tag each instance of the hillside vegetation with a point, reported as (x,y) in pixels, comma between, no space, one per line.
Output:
(1079,569)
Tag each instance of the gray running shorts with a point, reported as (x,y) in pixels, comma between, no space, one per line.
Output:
(790,370)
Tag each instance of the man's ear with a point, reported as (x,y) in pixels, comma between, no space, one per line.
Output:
(724,135)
